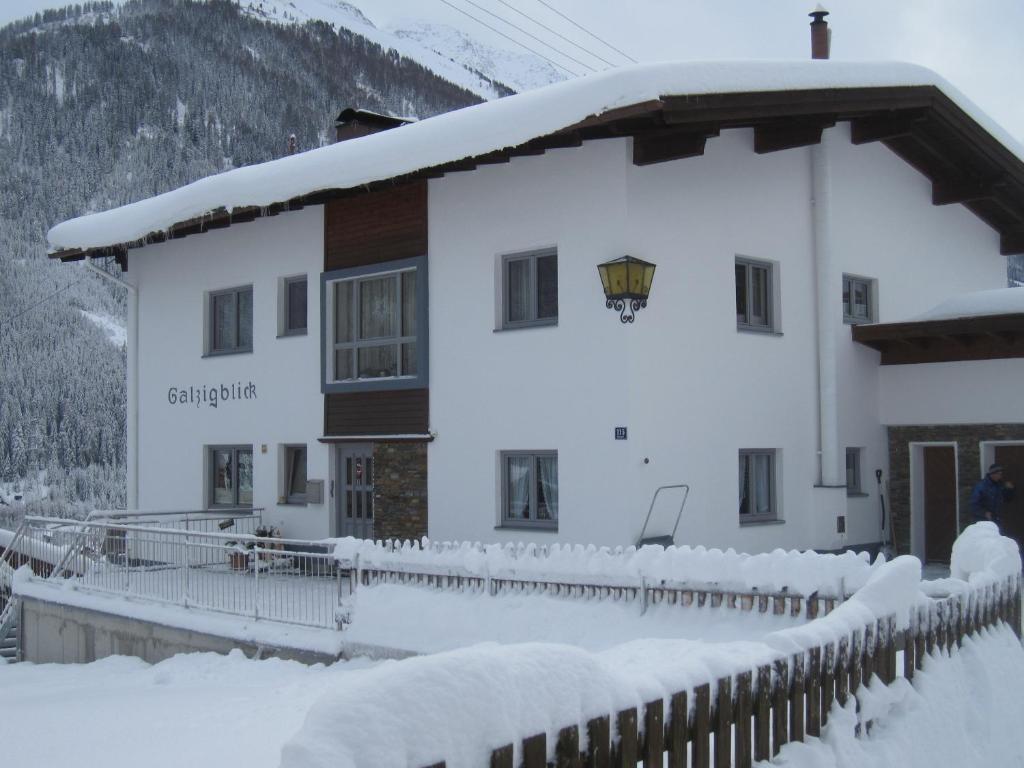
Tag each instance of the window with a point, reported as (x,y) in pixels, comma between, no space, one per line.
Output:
(754,295)
(853,476)
(375,327)
(230,321)
(757,486)
(295,474)
(530,489)
(293,310)
(858,304)
(529,289)
(230,476)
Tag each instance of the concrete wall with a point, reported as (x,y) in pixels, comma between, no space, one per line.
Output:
(52,633)
(173,280)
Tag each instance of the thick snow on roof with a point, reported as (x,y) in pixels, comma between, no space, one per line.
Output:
(999,301)
(480,129)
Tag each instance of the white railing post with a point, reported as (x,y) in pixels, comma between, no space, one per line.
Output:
(256,576)
(187,569)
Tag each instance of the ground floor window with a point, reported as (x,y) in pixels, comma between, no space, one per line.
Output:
(230,482)
(853,475)
(295,474)
(757,486)
(530,489)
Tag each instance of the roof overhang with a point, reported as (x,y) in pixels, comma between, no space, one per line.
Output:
(966,163)
(985,337)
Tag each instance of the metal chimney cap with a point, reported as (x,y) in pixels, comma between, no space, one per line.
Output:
(819,13)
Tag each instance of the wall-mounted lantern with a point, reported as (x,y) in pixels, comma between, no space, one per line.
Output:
(627,284)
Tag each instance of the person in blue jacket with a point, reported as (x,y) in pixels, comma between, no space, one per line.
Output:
(989,494)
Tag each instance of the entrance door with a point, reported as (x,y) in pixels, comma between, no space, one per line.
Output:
(355,481)
(1012,459)
(940,500)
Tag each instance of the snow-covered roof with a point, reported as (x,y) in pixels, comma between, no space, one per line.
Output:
(999,301)
(481,129)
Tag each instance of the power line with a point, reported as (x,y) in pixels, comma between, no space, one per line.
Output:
(530,34)
(4,332)
(507,37)
(578,26)
(556,33)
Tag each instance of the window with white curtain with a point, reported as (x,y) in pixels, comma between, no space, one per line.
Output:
(530,289)
(529,489)
(374,330)
(230,476)
(757,495)
(229,321)
(755,295)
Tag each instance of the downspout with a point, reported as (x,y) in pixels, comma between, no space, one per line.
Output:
(827,311)
(133,381)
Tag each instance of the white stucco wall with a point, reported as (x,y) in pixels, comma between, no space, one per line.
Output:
(173,279)
(691,389)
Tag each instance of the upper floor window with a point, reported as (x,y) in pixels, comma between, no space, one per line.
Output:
(757,486)
(293,306)
(229,327)
(529,289)
(858,300)
(755,297)
(375,326)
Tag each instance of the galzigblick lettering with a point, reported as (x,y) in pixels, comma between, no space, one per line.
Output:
(211,395)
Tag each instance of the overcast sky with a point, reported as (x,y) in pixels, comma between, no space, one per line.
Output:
(978,45)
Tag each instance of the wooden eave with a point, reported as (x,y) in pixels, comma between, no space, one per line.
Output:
(920,124)
(987,337)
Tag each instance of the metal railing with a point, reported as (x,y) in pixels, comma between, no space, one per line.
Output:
(235,520)
(275,579)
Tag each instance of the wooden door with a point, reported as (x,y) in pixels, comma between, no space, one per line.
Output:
(355,501)
(1012,459)
(940,501)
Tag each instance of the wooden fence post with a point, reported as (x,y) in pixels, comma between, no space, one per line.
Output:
(702,727)
(843,671)
(535,751)
(599,738)
(796,700)
(654,734)
(762,714)
(567,749)
(910,646)
(856,660)
(940,624)
(742,714)
(677,734)
(814,693)
(723,724)
(868,665)
(502,757)
(625,754)
(780,705)
(890,653)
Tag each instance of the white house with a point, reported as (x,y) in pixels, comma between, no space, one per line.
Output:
(414,318)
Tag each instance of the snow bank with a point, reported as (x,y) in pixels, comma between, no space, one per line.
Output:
(999,301)
(981,554)
(483,128)
(696,567)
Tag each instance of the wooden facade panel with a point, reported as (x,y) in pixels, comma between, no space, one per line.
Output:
(379,226)
(392,412)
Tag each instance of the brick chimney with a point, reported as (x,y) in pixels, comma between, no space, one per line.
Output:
(821,35)
(353,123)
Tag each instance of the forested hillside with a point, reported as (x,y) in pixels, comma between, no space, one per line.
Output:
(101,106)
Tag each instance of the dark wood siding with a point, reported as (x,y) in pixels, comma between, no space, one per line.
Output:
(394,412)
(376,227)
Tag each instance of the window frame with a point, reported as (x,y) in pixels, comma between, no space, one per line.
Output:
(773,516)
(328,346)
(533,524)
(284,329)
(857,488)
(211,350)
(297,499)
(533,321)
(211,465)
(771,294)
(849,318)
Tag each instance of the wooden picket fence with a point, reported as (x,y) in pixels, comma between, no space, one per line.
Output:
(736,720)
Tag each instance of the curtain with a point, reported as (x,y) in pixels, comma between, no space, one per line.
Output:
(245,319)
(519,487)
(519,290)
(762,484)
(223,481)
(244,477)
(224,316)
(547,502)
(378,307)
(409,303)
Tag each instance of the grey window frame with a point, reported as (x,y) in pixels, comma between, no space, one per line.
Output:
(287,330)
(773,515)
(770,299)
(533,523)
(211,325)
(211,465)
(534,295)
(289,451)
(327,326)
(848,316)
(857,488)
